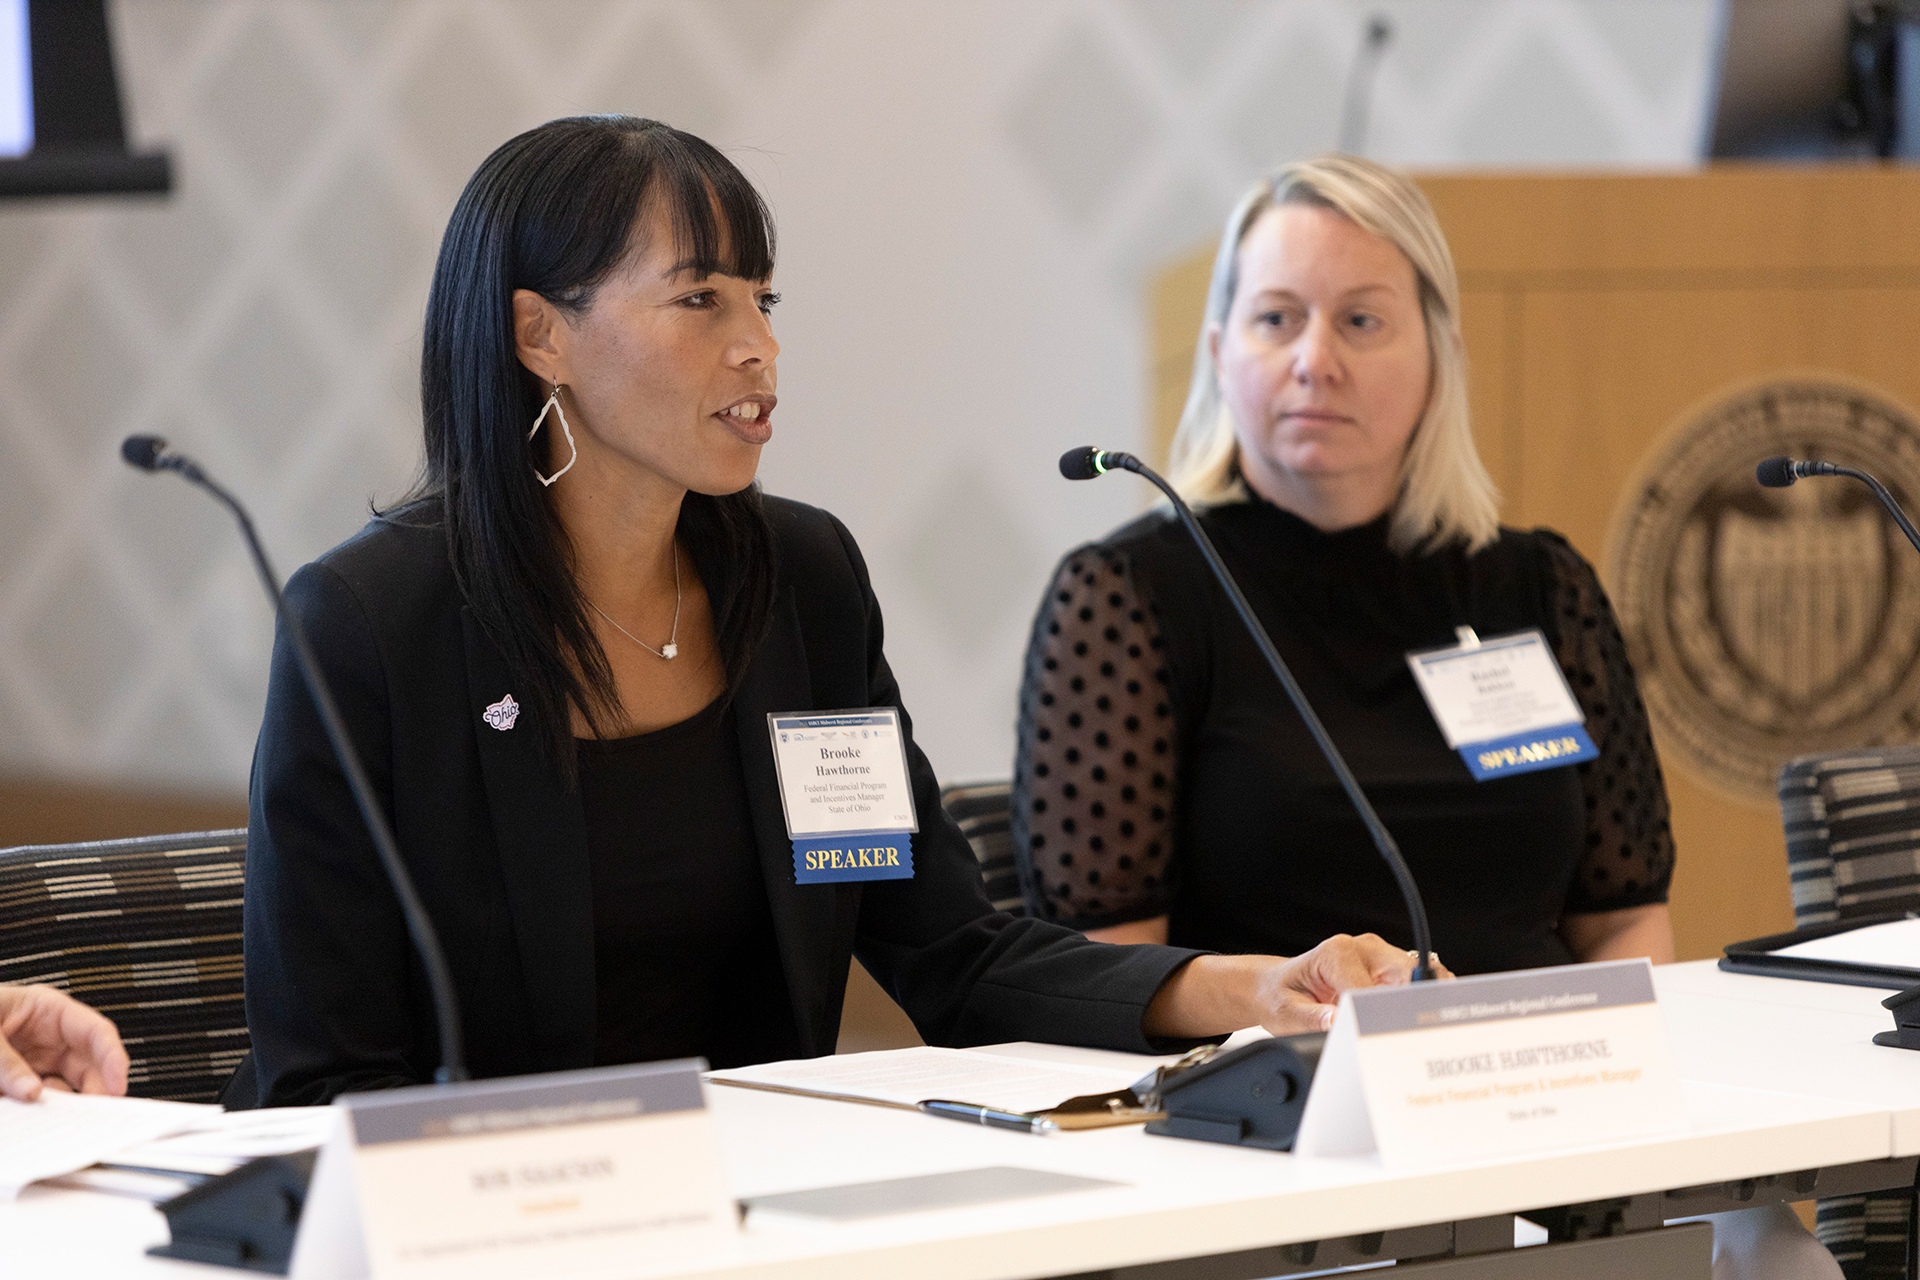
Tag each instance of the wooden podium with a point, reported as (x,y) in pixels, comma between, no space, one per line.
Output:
(1605,313)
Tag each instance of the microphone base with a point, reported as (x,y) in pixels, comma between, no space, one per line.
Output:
(245,1219)
(1905,1006)
(1253,1096)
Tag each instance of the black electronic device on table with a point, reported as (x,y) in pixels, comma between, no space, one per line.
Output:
(1759,956)
(1762,957)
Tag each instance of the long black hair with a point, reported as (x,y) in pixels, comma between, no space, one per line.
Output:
(554,211)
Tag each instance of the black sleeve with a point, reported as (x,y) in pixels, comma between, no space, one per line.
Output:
(965,973)
(1628,859)
(1093,784)
(327,958)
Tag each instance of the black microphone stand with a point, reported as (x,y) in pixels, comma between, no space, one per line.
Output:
(1778,473)
(1085,464)
(149,453)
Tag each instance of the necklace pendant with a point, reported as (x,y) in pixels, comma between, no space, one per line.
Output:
(671,652)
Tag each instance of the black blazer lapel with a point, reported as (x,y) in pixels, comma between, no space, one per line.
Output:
(541,834)
(815,922)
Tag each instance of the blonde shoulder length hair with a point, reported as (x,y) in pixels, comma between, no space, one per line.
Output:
(1444,493)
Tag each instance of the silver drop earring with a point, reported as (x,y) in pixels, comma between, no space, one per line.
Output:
(553,405)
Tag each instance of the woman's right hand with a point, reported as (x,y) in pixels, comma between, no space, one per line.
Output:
(47,1038)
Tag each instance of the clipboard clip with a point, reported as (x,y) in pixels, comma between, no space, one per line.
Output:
(1253,1096)
(1149,1087)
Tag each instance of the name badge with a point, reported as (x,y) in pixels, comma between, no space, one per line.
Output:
(571,1173)
(843,784)
(1503,704)
(1494,1065)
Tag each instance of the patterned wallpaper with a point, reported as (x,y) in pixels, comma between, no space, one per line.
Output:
(970,197)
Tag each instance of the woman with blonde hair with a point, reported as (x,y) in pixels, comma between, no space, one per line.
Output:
(1165,790)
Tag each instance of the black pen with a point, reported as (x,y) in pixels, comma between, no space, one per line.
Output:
(974,1114)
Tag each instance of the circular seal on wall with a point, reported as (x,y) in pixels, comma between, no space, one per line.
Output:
(1768,623)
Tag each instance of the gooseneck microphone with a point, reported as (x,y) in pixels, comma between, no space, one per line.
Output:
(1085,464)
(1778,473)
(150,453)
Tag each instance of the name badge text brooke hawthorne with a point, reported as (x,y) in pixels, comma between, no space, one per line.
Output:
(846,794)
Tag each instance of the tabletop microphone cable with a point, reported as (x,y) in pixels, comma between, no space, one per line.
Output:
(150,453)
(1086,463)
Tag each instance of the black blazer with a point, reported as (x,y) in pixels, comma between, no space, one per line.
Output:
(496,843)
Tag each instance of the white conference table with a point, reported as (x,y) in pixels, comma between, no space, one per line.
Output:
(1780,1077)
(1810,1038)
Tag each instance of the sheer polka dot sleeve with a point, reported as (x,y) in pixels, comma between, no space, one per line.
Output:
(1628,860)
(1093,779)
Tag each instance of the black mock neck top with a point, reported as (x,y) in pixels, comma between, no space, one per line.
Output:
(685,958)
(1162,771)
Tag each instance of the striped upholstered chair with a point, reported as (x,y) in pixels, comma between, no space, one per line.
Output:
(148,932)
(984,812)
(1853,849)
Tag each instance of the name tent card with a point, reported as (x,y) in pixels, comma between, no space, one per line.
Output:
(1493,1065)
(844,787)
(576,1173)
(1503,704)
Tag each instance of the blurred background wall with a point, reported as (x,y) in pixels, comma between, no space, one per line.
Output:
(972,199)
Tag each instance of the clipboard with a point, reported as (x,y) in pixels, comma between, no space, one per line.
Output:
(1755,956)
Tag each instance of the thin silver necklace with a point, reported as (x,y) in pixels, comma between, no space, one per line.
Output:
(672,650)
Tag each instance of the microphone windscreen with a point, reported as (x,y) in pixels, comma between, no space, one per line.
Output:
(1775,473)
(143,451)
(1078,464)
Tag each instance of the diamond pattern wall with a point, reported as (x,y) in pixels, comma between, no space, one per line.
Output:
(1081,124)
(970,198)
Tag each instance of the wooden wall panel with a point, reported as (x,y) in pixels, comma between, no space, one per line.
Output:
(1176,304)
(1736,218)
(44,811)
(1600,309)
(1608,370)
(1492,378)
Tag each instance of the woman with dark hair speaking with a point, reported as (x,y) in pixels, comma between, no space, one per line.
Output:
(559,658)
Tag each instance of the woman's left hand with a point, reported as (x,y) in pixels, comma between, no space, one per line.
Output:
(1214,995)
(1301,994)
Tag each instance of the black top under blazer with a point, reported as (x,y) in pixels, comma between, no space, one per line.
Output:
(496,843)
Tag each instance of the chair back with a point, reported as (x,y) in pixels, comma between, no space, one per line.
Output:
(1853,849)
(147,931)
(984,812)
(1853,832)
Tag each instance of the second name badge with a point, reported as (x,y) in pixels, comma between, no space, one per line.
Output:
(1503,704)
(844,787)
